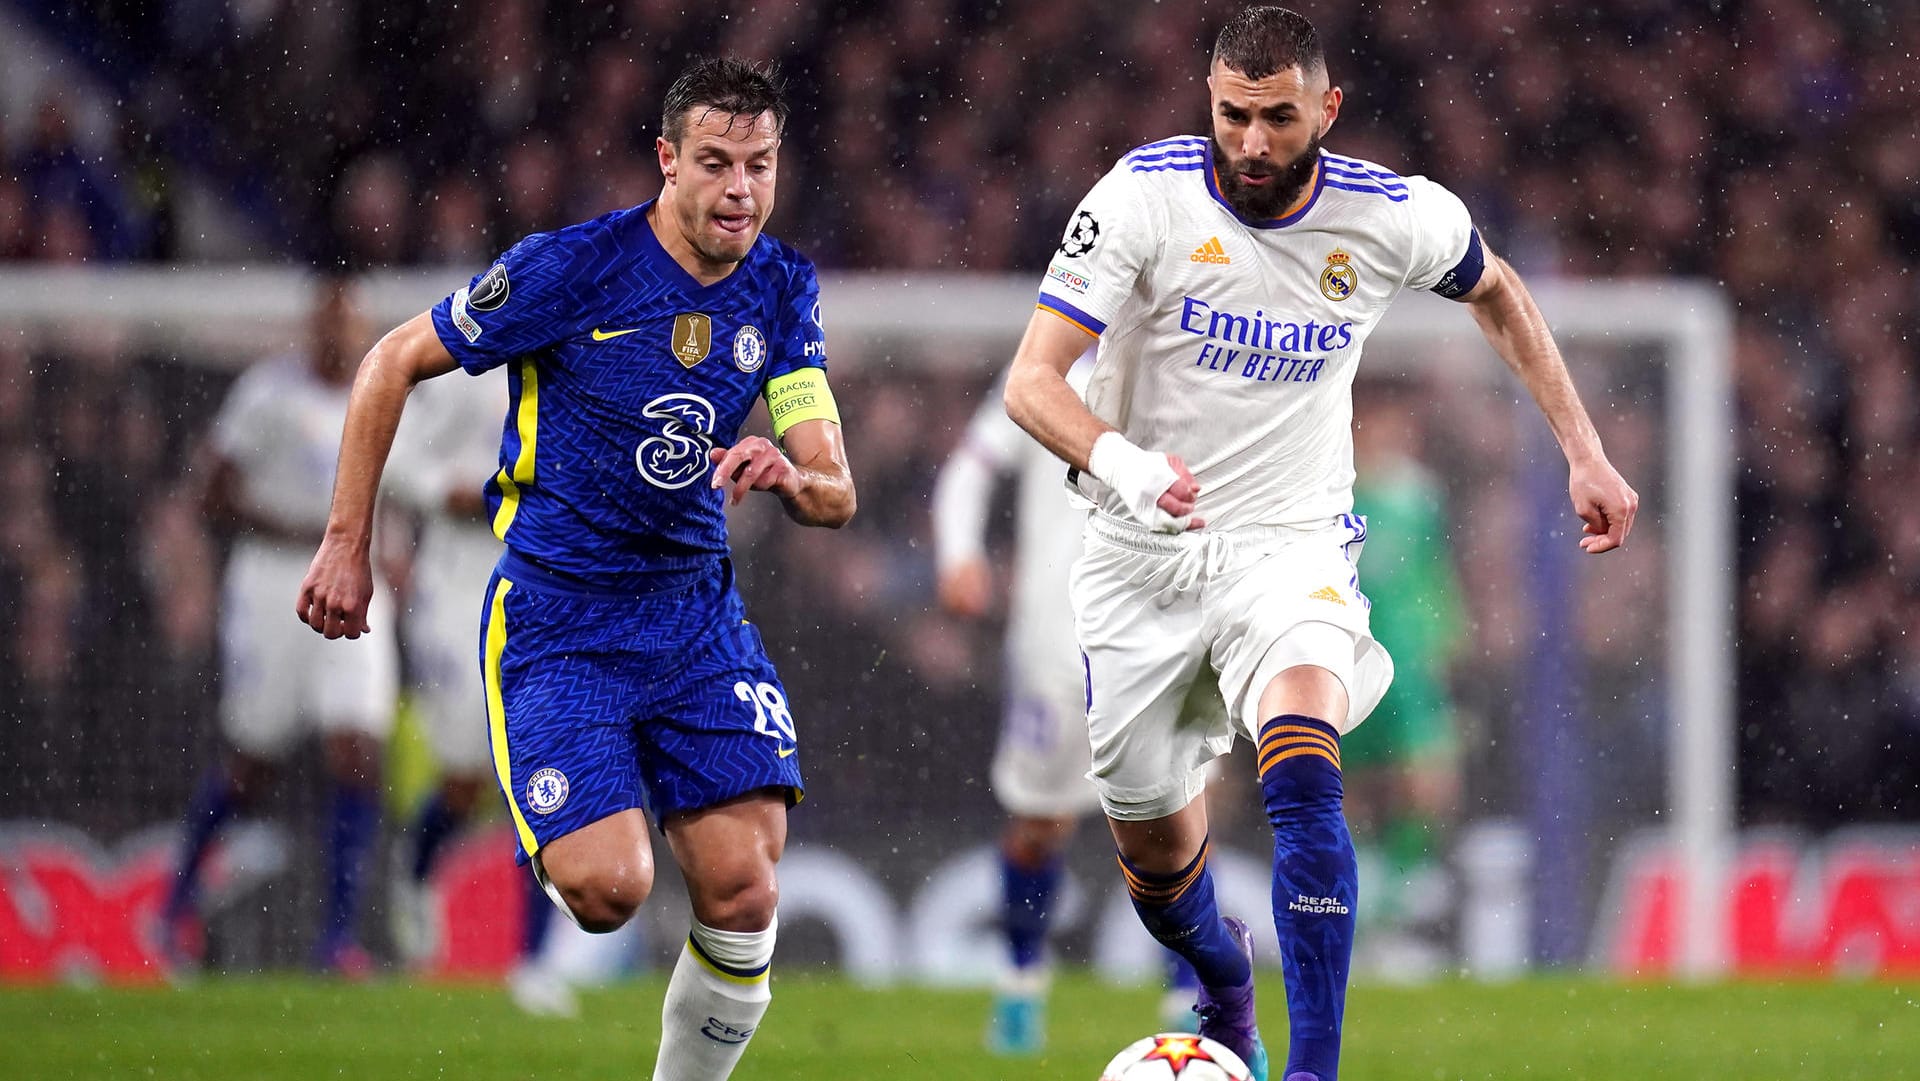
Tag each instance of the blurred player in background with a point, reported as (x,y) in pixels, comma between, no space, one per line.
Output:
(623,681)
(447,445)
(1040,762)
(1401,770)
(273,451)
(1231,282)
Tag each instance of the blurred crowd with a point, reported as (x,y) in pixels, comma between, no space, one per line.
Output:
(1767,145)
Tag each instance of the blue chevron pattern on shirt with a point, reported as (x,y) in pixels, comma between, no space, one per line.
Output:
(625,371)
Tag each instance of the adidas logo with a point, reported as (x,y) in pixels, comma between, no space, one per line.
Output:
(1210,252)
(1328,593)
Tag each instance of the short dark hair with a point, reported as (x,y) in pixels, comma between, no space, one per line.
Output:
(736,87)
(1263,40)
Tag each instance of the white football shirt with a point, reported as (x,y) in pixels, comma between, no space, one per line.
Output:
(1232,343)
(449,439)
(280,428)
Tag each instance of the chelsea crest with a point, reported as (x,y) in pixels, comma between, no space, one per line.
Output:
(749,349)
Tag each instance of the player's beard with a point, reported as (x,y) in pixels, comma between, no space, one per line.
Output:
(1271,199)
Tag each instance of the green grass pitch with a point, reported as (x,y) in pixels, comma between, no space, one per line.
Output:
(822,1028)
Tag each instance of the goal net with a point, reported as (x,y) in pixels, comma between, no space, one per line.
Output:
(1585,704)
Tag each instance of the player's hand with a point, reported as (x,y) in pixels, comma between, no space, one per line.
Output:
(1182,495)
(337,590)
(1605,503)
(966,588)
(1158,489)
(753,465)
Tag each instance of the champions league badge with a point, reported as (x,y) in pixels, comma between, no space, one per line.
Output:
(1339,280)
(1081,235)
(749,349)
(547,791)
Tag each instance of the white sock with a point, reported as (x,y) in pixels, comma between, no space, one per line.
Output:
(715,1000)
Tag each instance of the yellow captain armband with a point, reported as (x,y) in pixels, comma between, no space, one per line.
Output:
(798,396)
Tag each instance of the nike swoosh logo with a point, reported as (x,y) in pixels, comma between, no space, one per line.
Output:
(607,335)
(787,752)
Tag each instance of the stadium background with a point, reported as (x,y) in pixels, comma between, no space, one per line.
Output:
(1770,148)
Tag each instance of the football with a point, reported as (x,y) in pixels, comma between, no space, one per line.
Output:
(1173,1055)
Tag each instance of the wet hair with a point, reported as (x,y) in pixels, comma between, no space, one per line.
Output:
(739,88)
(1263,40)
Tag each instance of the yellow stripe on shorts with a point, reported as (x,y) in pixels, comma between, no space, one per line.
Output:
(496,643)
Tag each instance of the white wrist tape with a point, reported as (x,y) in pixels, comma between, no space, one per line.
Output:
(1139,477)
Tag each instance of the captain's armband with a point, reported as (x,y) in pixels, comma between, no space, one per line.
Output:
(797,396)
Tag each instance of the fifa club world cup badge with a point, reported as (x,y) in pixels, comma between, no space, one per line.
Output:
(692,337)
(1339,280)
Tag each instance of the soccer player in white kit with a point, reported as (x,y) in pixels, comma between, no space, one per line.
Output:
(1040,760)
(1231,282)
(273,452)
(446,448)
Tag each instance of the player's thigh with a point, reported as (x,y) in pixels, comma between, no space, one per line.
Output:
(559,697)
(261,676)
(727,853)
(608,859)
(354,683)
(1300,606)
(1143,657)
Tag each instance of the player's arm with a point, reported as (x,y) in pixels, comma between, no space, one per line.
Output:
(962,495)
(812,477)
(1517,331)
(1040,400)
(339,584)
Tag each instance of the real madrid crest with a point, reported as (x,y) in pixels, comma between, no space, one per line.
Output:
(692,338)
(749,349)
(1339,280)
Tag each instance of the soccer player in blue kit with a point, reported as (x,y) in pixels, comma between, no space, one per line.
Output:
(623,680)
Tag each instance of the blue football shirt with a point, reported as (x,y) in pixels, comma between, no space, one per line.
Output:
(624,372)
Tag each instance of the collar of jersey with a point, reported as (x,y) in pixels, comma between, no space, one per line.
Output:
(1299,211)
(665,263)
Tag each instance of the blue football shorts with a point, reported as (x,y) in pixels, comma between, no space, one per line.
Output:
(599,703)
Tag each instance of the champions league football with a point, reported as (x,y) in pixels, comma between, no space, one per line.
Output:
(1171,1055)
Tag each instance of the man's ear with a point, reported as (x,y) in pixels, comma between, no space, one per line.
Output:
(669,159)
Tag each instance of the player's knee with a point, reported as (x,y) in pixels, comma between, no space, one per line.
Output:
(1299,767)
(602,899)
(745,904)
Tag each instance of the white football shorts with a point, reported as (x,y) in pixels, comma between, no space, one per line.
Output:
(1183,633)
(1040,764)
(278,675)
(443,619)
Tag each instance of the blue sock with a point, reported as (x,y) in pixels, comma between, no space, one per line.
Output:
(431,827)
(353,819)
(1315,884)
(534,917)
(1027,902)
(1178,910)
(212,804)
